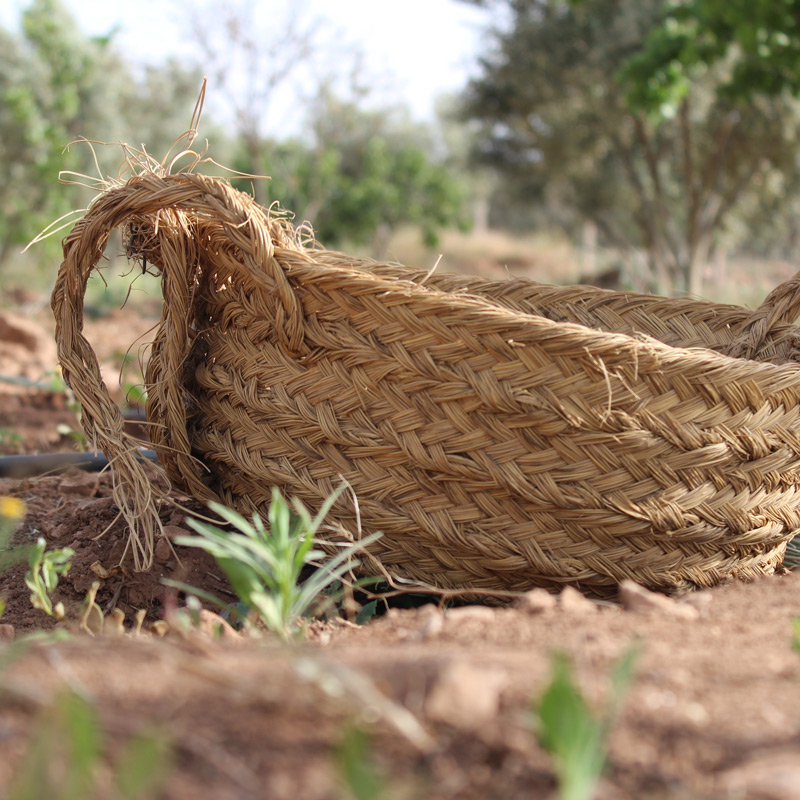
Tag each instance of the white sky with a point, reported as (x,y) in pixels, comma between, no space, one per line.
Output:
(414,50)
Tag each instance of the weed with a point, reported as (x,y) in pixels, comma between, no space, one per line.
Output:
(576,738)
(58,385)
(12,511)
(796,633)
(66,760)
(357,769)
(42,577)
(264,566)
(11,440)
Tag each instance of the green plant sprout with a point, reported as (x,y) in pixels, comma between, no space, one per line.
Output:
(576,738)
(67,755)
(42,577)
(264,566)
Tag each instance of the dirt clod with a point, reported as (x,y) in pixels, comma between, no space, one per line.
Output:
(638,599)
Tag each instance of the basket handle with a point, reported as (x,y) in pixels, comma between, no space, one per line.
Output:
(782,305)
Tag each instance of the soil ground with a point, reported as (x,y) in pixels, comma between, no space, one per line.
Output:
(446,698)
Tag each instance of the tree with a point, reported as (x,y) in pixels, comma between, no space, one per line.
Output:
(362,173)
(56,85)
(45,79)
(558,123)
(249,63)
(758,40)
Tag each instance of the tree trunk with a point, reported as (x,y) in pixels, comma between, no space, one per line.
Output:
(589,249)
(695,269)
(5,252)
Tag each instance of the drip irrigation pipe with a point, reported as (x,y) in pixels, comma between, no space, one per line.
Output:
(32,466)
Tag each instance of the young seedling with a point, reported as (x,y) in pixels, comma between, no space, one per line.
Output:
(575,737)
(42,577)
(264,565)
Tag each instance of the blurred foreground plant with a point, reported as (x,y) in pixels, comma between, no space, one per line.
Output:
(360,776)
(576,738)
(67,759)
(12,511)
(264,565)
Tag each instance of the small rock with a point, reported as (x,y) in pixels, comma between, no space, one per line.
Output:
(465,695)
(163,550)
(774,776)
(699,600)
(536,601)
(432,623)
(173,531)
(640,600)
(83,484)
(573,602)
(7,633)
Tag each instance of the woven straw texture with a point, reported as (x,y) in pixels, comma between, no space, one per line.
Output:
(500,435)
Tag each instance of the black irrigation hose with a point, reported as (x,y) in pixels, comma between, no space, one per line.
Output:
(50,463)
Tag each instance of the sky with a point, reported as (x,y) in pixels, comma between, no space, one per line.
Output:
(413,50)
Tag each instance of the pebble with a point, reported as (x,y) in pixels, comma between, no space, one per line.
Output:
(163,550)
(432,624)
(465,695)
(774,776)
(573,602)
(83,484)
(536,601)
(640,600)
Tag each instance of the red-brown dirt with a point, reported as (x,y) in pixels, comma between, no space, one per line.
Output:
(713,712)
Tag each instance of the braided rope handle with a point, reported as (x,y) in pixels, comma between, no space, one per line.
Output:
(158,209)
(782,305)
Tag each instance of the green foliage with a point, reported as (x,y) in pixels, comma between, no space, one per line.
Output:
(264,566)
(757,40)
(796,634)
(575,737)
(42,577)
(558,124)
(67,752)
(359,774)
(11,439)
(56,85)
(362,174)
(12,511)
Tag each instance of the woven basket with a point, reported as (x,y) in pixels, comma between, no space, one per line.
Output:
(499,435)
